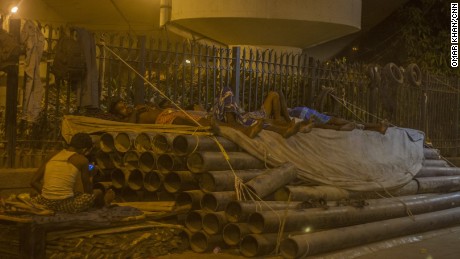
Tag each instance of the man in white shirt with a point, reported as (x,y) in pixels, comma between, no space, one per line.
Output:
(64,181)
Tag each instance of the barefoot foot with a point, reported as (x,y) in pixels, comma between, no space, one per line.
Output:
(292,130)
(383,126)
(306,128)
(253,130)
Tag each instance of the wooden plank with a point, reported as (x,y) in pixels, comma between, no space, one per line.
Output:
(112,230)
(15,219)
(151,205)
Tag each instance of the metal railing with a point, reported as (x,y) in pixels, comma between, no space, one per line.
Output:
(190,73)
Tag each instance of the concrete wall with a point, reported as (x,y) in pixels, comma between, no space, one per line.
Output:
(294,23)
(347,12)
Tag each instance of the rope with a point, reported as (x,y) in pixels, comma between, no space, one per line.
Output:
(408,211)
(375,116)
(150,84)
(239,186)
(344,103)
(449,162)
(283,222)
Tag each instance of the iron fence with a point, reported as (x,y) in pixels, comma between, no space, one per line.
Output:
(191,73)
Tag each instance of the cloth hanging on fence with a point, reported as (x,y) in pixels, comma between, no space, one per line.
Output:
(34,41)
(357,160)
(88,92)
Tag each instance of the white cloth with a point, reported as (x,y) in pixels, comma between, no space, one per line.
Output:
(61,177)
(34,41)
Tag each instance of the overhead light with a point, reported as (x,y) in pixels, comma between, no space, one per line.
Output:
(188,61)
(14,9)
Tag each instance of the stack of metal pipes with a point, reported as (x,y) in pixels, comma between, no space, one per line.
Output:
(285,216)
(298,220)
(153,166)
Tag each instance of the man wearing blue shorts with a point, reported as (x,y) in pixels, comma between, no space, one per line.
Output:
(320,120)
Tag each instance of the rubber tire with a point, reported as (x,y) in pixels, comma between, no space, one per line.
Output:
(414,74)
(324,95)
(393,73)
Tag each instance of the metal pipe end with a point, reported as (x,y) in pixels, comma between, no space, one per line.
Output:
(180,145)
(232,234)
(199,242)
(289,249)
(195,162)
(153,181)
(207,182)
(249,246)
(256,223)
(103,160)
(123,142)
(118,178)
(213,223)
(173,182)
(147,161)
(233,211)
(194,221)
(107,143)
(209,202)
(135,180)
(143,142)
(131,159)
(282,194)
(165,163)
(160,143)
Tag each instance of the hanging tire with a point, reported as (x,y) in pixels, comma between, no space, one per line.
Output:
(414,74)
(393,73)
(324,97)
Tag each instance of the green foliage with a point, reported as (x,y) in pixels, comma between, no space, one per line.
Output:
(425,37)
(418,32)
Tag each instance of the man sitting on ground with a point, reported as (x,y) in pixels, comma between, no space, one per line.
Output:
(64,181)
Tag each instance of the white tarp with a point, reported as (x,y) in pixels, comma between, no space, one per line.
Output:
(355,160)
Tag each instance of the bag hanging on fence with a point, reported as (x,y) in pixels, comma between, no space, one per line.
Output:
(9,47)
(69,61)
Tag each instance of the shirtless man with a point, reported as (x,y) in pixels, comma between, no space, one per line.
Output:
(320,120)
(155,115)
(269,117)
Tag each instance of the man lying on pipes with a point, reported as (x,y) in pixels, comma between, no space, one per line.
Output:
(270,116)
(226,113)
(314,119)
